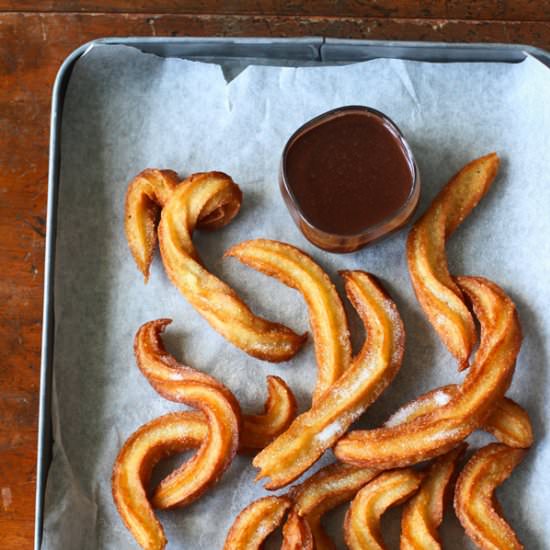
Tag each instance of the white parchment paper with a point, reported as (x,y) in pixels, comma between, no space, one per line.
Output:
(125,111)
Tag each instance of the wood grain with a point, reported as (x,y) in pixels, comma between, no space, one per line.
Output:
(523,10)
(32,46)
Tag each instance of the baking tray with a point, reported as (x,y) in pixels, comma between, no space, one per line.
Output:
(233,54)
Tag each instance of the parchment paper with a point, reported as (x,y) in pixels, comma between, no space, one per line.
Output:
(125,111)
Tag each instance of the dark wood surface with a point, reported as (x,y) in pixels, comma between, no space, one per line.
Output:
(35,37)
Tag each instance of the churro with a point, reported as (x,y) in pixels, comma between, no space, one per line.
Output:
(214,197)
(164,436)
(316,430)
(147,193)
(508,422)
(362,523)
(255,523)
(329,487)
(328,320)
(435,433)
(475,502)
(423,513)
(184,384)
(297,533)
(438,294)
(258,430)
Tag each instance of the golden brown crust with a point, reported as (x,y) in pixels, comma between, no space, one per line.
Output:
(508,421)
(255,523)
(328,319)
(146,195)
(510,424)
(475,504)
(434,434)
(186,385)
(423,513)
(329,487)
(297,533)
(214,197)
(258,430)
(162,370)
(440,297)
(423,405)
(362,523)
(338,483)
(162,437)
(214,431)
(372,370)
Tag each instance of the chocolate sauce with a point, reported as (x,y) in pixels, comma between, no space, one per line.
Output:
(348,172)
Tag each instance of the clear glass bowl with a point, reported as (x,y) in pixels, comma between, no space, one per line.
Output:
(349,243)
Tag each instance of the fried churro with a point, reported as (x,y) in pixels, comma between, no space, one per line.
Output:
(297,533)
(438,294)
(435,433)
(508,422)
(362,524)
(259,430)
(256,522)
(328,488)
(423,513)
(147,193)
(169,434)
(475,502)
(214,197)
(372,370)
(184,384)
(328,320)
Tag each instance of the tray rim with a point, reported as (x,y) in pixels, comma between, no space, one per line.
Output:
(44,443)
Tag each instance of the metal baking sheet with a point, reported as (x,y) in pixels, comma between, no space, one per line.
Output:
(233,54)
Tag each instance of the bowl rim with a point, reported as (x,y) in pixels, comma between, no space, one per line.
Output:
(334,113)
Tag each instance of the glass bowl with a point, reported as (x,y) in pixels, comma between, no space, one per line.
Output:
(344,242)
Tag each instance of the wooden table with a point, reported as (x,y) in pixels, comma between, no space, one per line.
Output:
(35,37)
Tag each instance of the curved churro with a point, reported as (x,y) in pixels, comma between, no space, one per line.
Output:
(255,523)
(372,370)
(329,487)
(214,197)
(258,430)
(164,436)
(214,431)
(423,514)
(338,483)
(475,503)
(362,524)
(165,373)
(439,296)
(183,384)
(328,320)
(488,379)
(508,421)
(297,534)
(147,193)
